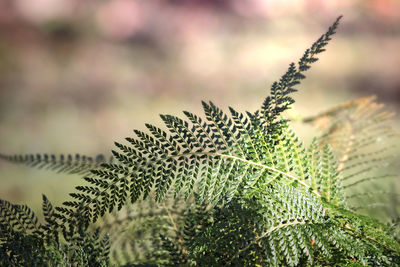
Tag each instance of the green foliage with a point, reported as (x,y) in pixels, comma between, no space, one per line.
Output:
(363,139)
(229,189)
(26,242)
(133,228)
(80,164)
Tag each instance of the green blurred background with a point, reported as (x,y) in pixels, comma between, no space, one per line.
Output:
(77,75)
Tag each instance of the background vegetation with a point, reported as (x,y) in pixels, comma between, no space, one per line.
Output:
(75,75)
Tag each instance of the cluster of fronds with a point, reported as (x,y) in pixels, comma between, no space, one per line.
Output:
(361,134)
(269,230)
(228,189)
(133,228)
(215,157)
(26,242)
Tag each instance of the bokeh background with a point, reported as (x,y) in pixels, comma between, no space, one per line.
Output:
(76,75)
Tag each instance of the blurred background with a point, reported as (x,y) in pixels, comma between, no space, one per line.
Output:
(76,75)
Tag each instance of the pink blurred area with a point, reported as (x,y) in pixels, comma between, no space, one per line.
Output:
(122,19)
(88,55)
(100,58)
(75,75)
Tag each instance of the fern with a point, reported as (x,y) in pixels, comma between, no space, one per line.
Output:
(80,164)
(133,228)
(198,151)
(232,188)
(363,139)
(26,242)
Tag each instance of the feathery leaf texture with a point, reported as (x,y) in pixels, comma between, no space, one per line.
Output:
(195,153)
(279,100)
(26,242)
(281,226)
(201,148)
(132,230)
(78,164)
(361,135)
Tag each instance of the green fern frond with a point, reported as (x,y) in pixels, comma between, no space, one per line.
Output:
(363,140)
(279,100)
(215,157)
(78,164)
(19,217)
(375,234)
(26,242)
(282,226)
(134,229)
(214,152)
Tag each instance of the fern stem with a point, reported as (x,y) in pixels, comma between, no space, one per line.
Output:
(272,229)
(249,162)
(271,169)
(179,237)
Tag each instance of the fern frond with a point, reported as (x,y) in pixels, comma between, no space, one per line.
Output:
(26,242)
(134,229)
(291,218)
(282,226)
(353,128)
(279,100)
(19,217)
(362,138)
(215,157)
(331,182)
(78,164)
(375,234)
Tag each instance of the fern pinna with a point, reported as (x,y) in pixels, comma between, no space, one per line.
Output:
(249,193)
(78,164)
(26,242)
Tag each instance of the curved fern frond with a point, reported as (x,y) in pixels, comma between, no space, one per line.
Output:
(215,157)
(78,164)
(282,226)
(279,100)
(19,217)
(134,230)
(291,218)
(356,131)
(26,242)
